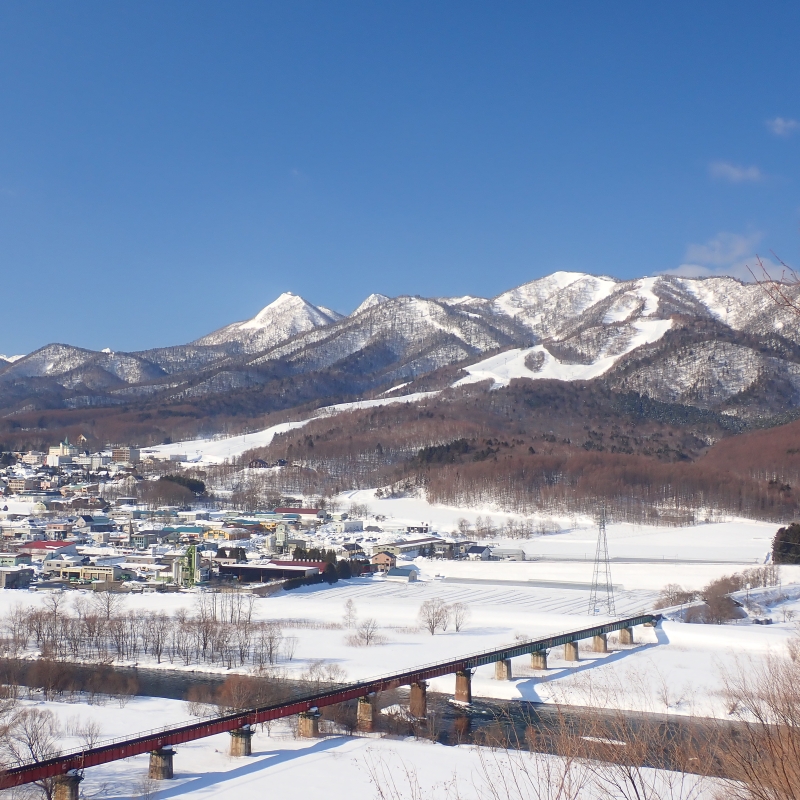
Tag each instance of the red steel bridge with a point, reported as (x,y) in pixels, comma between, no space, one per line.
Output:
(157,740)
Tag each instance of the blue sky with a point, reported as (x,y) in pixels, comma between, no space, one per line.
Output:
(169,167)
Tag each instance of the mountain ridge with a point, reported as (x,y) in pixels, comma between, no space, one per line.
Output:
(715,343)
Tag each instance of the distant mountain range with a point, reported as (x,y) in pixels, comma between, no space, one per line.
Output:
(710,343)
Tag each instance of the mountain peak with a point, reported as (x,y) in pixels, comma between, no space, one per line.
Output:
(373,300)
(286,303)
(286,316)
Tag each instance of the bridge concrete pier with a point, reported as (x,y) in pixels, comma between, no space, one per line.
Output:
(308,725)
(241,741)
(502,670)
(600,643)
(161,764)
(626,635)
(539,659)
(365,714)
(464,686)
(418,702)
(571,652)
(65,787)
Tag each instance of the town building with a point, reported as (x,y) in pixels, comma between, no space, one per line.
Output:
(383,561)
(307,515)
(412,547)
(402,574)
(508,554)
(14,559)
(15,577)
(348,526)
(92,572)
(230,555)
(479,552)
(42,550)
(123,454)
(263,572)
(58,530)
(19,484)
(141,540)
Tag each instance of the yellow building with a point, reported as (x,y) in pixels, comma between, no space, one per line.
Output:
(228,534)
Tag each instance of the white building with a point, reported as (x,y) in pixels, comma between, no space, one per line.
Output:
(348,526)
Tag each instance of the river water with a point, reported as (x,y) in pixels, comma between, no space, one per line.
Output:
(512,723)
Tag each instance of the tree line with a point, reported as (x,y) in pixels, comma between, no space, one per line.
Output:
(553,449)
(220,631)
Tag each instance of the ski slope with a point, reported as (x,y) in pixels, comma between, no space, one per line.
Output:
(505,367)
(217,450)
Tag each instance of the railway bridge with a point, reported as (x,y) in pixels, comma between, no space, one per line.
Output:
(67,768)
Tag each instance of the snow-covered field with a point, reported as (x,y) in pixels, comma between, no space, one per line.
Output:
(676,668)
(546,594)
(510,600)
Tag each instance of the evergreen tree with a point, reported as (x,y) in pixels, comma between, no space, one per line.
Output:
(343,570)
(786,545)
(330,575)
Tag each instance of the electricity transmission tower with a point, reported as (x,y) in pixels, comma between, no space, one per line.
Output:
(602,596)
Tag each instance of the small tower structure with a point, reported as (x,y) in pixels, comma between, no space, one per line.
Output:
(601,599)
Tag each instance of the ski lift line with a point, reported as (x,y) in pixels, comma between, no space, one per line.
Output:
(119,748)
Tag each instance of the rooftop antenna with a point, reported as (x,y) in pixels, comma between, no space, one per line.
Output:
(602,595)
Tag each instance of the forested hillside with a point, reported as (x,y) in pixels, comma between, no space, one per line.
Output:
(549,446)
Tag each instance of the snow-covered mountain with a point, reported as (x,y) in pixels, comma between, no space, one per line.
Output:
(372,301)
(707,342)
(590,327)
(283,318)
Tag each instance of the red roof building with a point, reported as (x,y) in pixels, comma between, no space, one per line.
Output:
(39,551)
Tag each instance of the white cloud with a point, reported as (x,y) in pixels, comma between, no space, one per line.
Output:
(725,248)
(731,254)
(783,127)
(734,173)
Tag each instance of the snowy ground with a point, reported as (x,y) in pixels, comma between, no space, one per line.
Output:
(676,668)
(688,659)
(734,541)
(332,767)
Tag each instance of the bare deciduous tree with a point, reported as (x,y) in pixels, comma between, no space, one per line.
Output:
(350,617)
(108,604)
(509,771)
(289,647)
(460,612)
(88,732)
(765,756)
(33,735)
(367,632)
(782,291)
(148,788)
(434,615)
